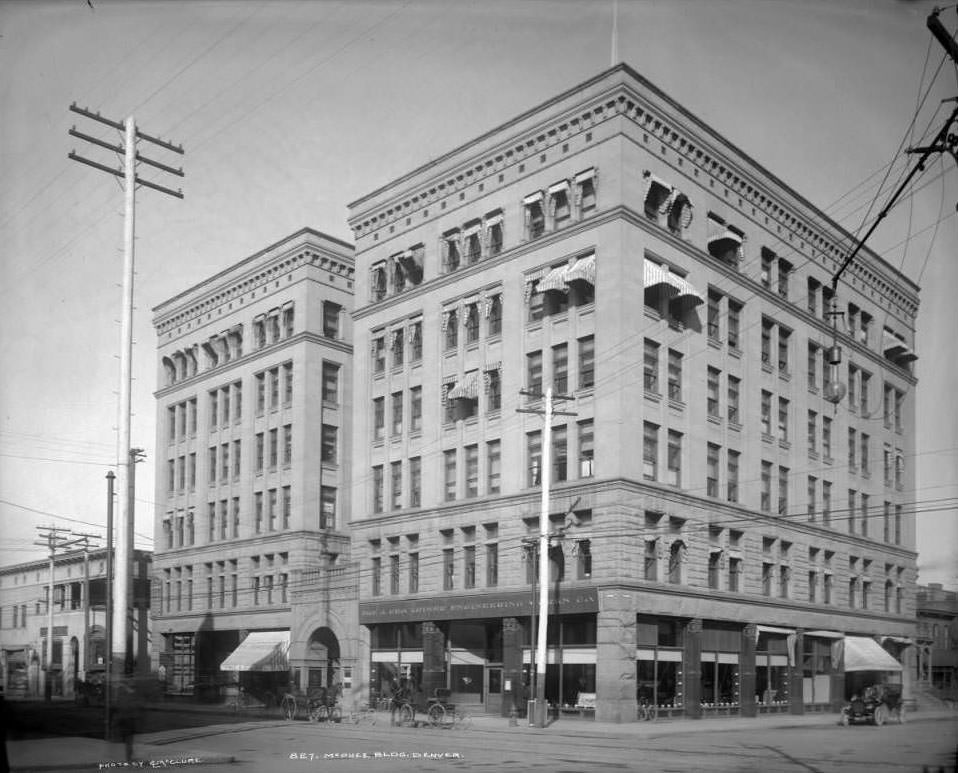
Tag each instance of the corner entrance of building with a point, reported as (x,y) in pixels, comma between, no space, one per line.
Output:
(492,684)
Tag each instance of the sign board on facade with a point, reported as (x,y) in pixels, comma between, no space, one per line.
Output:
(514,604)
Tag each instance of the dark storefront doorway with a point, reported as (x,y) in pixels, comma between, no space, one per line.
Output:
(493,689)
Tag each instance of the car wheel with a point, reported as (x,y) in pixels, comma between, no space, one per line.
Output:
(879,716)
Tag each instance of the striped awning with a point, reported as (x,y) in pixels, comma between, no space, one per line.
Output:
(467,389)
(532,198)
(726,236)
(260,651)
(897,349)
(655,275)
(582,270)
(555,280)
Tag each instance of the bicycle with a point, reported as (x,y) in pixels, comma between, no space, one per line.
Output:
(647,711)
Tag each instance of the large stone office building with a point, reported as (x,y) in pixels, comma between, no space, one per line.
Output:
(253,414)
(733,539)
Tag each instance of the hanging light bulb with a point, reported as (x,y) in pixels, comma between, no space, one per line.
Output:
(835,390)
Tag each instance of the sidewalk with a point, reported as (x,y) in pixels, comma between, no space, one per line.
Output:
(183,747)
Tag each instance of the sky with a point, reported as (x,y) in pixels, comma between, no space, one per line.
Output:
(288,111)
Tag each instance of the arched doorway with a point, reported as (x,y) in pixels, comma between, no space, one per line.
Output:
(323,659)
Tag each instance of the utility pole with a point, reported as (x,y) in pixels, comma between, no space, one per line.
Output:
(125,459)
(108,616)
(50,538)
(545,474)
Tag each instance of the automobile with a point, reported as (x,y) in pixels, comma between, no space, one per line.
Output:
(877,705)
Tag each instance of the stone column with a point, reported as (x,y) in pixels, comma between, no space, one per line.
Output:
(836,688)
(796,697)
(692,668)
(615,658)
(512,666)
(433,658)
(746,672)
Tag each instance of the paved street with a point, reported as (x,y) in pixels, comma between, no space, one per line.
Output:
(676,746)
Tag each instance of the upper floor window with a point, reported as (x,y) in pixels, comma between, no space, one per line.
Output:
(451,251)
(415,341)
(450,329)
(379,354)
(472,243)
(494,315)
(378,282)
(493,226)
(560,206)
(534,215)
(331,313)
(585,191)
(725,242)
(471,323)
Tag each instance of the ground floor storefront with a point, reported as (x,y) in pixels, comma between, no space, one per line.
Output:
(607,657)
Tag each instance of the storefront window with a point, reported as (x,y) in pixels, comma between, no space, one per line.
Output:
(816,668)
(771,672)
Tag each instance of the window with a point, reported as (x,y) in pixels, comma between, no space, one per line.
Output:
(273,448)
(331,313)
(211,477)
(712,317)
(415,482)
(733,399)
(586,449)
(533,215)
(494,315)
(494,234)
(560,368)
(826,503)
(768,573)
(260,393)
(397,339)
(898,524)
(377,567)
(712,392)
(492,565)
(449,403)
(493,383)
(852,387)
(236,520)
(783,490)
(396,412)
(469,566)
(766,274)
(865,384)
(783,420)
(379,418)
(415,341)
(328,444)
(812,367)
(767,327)
(448,569)
(214,396)
(287,445)
(472,244)
(712,470)
(395,485)
(675,375)
(784,269)
(899,404)
(287,506)
(676,561)
(414,573)
(451,330)
(377,489)
(864,512)
(766,494)
(899,469)
(472,323)
(812,433)
(260,452)
(257,511)
(379,354)
(225,405)
(273,388)
(449,475)
(559,454)
(715,557)
(651,364)
(852,449)
(415,409)
(650,451)
(493,466)
(826,438)
(472,471)
(585,191)
(586,362)
(813,288)
(273,502)
(224,462)
(733,466)
(451,251)
(674,458)
(651,560)
(734,322)
(327,507)
(783,363)
(766,414)
(812,492)
(534,457)
(534,374)
(784,575)
(560,209)
(330,383)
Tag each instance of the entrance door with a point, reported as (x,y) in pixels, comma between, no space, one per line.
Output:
(493,690)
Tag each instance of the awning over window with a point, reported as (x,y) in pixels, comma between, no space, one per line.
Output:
(825,634)
(583,270)
(532,198)
(726,239)
(587,174)
(260,651)
(773,629)
(555,280)
(654,275)
(896,349)
(864,654)
(467,389)
(562,185)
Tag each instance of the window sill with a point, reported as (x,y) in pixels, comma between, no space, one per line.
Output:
(713,419)
(734,426)
(734,351)
(827,459)
(784,444)
(677,405)
(766,367)
(813,455)
(784,375)
(654,397)
(767,438)
(715,343)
